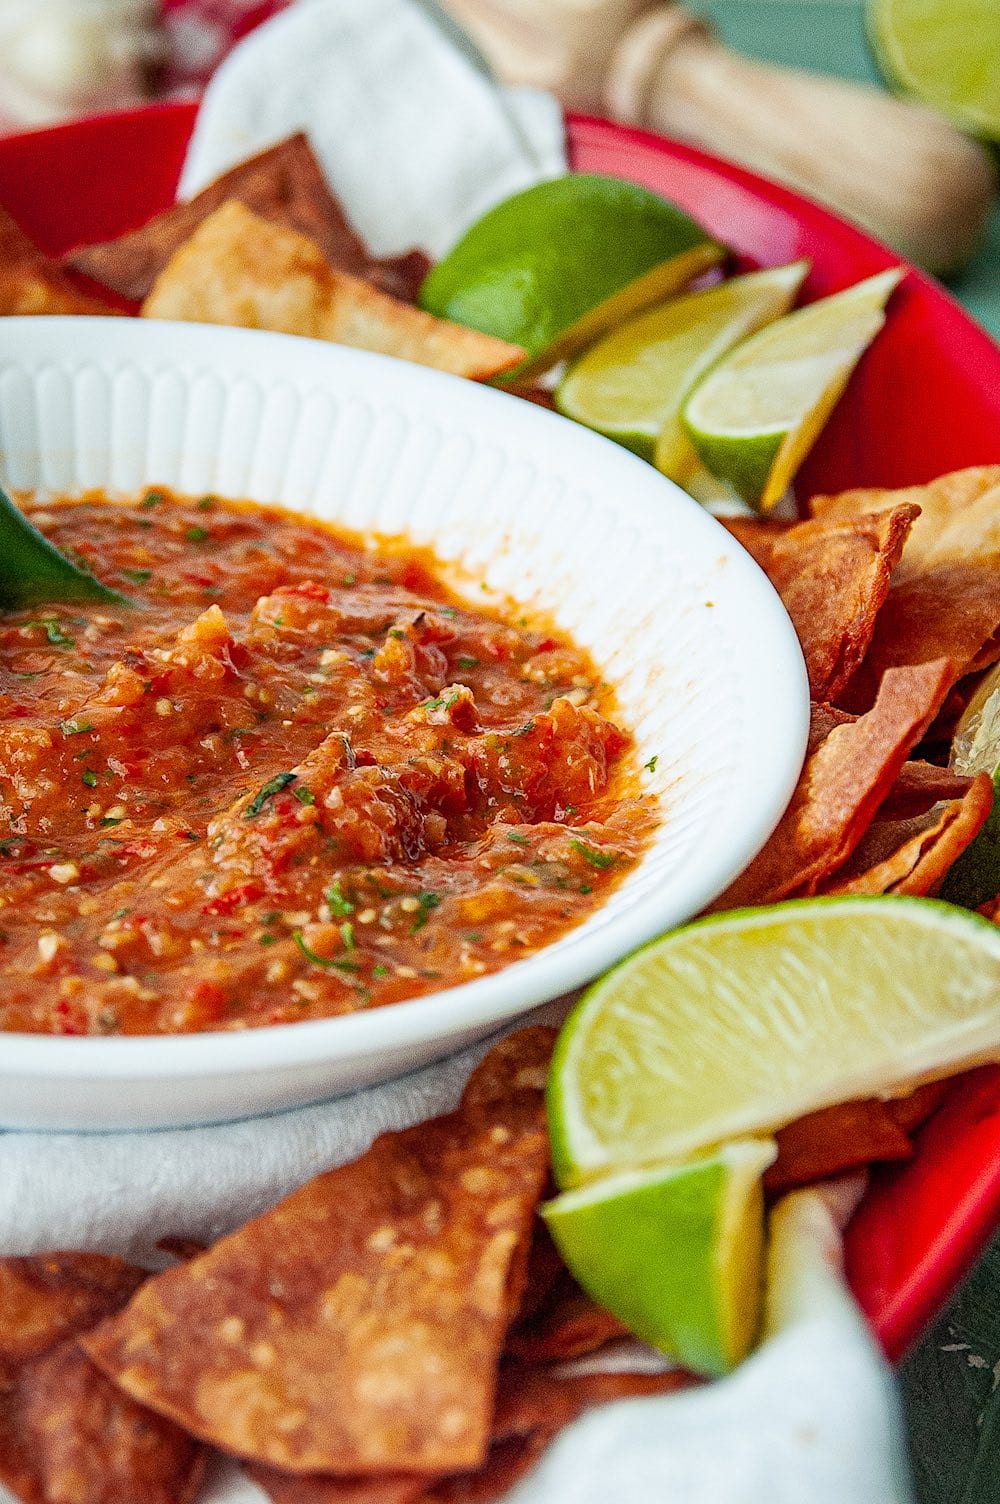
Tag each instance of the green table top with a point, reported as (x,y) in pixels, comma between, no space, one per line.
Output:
(951,1382)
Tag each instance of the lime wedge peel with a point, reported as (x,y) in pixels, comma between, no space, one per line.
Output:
(740,1023)
(758,412)
(944,53)
(558,264)
(631,384)
(675,1252)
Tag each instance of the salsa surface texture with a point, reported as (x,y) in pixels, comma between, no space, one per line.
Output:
(300,779)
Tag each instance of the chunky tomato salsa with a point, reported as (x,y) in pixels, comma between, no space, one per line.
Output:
(296,778)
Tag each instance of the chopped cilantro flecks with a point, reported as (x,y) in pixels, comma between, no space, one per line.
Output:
(466,662)
(304,795)
(427,903)
(108,820)
(196,534)
(137,576)
(380,971)
(152,499)
(650,766)
(75,728)
(206,503)
(89,777)
(440,703)
(53,631)
(315,960)
(268,939)
(347,935)
(602,859)
(517,838)
(336,902)
(272,787)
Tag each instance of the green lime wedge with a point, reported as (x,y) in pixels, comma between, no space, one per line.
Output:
(554,267)
(675,1252)
(746,1021)
(945,53)
(756,415)
(631,384)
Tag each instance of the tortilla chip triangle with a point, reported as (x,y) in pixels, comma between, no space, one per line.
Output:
(32,284)
(357,1327)
(239,269)
(285,185)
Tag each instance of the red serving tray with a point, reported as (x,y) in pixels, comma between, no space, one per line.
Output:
(926,399)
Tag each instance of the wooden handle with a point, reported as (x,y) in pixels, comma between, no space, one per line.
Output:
(897,168)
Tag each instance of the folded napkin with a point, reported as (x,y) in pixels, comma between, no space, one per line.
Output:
(418,142)
(413,135)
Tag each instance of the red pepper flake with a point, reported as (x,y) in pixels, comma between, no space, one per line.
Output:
(236,898)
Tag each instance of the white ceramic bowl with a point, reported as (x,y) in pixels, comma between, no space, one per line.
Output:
(707,668)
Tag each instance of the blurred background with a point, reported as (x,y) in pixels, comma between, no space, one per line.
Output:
(873,106)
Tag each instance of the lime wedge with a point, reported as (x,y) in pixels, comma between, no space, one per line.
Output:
(757,414)
(675,1252)
(630,386)
(740,1023)
(943,52)
(554,267)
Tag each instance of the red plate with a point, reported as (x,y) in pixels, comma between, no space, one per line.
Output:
(926,399)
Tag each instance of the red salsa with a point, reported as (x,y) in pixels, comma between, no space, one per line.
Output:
(300,778)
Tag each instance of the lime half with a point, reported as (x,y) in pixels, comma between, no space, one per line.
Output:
(758,412)
(746,1021)
(631,384)
(945,53)
(557,265)
(676,1253)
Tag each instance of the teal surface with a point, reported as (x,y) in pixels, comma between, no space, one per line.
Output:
(829,34)
(951,1382)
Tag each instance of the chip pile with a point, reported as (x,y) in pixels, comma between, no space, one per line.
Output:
(392,1331)
(895,596)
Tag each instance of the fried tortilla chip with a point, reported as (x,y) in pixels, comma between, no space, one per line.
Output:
(91,1444)
(533,1405)
(919,786)
(959,515)
(239,269)
(544,1270)
(321,1488)
(914,856)
(569,1325)
(284,185)
(68,1435)
(356,1328)
(49,1297)
(912,1111)
(833,577)
(833,1141)
(945,596)
(846,776)
(30,283)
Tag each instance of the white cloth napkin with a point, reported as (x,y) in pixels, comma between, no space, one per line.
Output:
(418,142)
(414,137)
